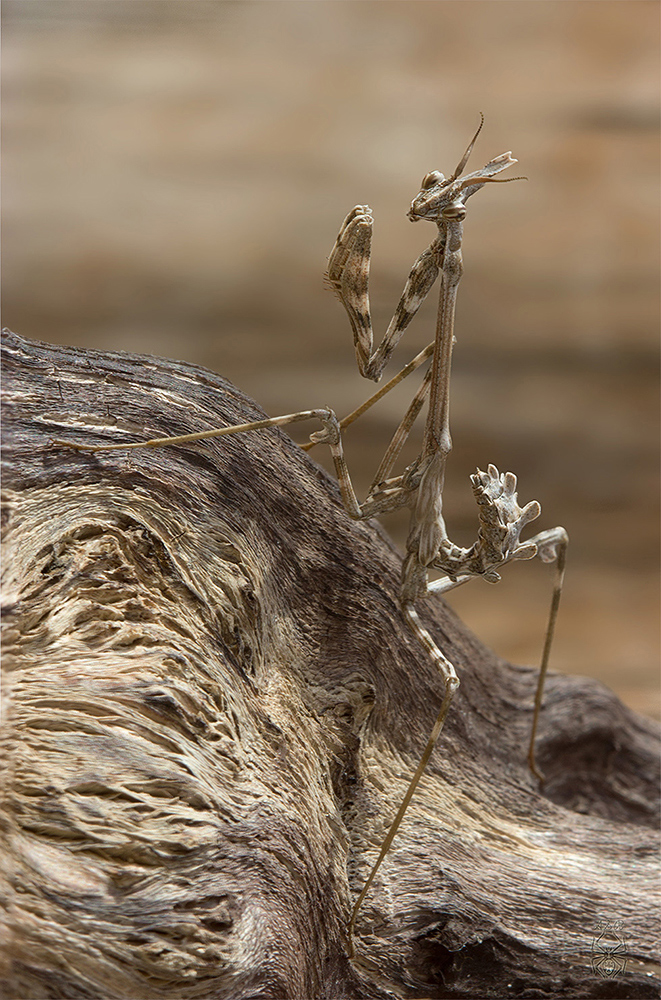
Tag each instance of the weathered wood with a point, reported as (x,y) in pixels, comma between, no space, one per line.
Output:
(213,707)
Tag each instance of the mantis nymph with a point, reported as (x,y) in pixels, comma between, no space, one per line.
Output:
(441,201)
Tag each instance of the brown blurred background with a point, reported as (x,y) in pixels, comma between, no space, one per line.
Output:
(175,174)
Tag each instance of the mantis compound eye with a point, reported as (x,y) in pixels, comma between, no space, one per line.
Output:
(434,177)
(455,210)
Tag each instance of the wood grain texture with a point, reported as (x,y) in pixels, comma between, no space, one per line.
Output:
(213,707)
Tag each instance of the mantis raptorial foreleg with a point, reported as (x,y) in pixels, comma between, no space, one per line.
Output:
(429,548)
(348,274)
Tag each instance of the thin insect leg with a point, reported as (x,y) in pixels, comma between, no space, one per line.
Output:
(451,685)
(389,500)
(561,559)
(445,584)
(400,436)
(412,366)
(396,495)
(332,437)
(288,418)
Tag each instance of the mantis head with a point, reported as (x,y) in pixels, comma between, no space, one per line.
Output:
(442,198)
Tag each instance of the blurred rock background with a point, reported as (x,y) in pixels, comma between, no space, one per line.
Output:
(175,172)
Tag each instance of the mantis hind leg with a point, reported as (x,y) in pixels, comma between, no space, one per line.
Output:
(554,548)
(451,684)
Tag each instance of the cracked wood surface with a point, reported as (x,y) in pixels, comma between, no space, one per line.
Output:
(212,708)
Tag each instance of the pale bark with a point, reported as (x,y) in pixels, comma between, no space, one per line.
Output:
(212,707)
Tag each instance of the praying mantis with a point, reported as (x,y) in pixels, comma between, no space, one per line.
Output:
(441,201)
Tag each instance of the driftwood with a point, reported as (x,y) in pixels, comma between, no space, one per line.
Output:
(213,707)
